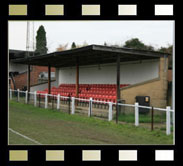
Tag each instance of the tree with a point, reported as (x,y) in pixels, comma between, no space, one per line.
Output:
(105,44)
(137,44)
(167,50)
(73,45)
(62,47)
(41,43)
(82,45)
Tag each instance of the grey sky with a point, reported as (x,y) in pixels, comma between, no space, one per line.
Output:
(156,33)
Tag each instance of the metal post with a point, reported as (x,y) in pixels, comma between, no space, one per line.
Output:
(117,86)
(58,101)
(118,78)
(90,108)
(136,114)
(152,119)
(49,79)
(10,94)
(117,108)
(168,131)
(26,96)
(73,105)
(39,100)
(173,124)
(35,98)
(110,111)
(52,102)
(18,95)
(28,82)
(69,102)
(49,82)
(46,101)
(77,79)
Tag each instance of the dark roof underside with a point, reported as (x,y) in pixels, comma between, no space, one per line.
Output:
(16,54)
(89,55)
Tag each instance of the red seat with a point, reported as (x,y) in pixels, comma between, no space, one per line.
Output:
(102,92)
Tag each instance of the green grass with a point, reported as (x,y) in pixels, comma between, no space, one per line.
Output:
(18,139)
(54,127)
(130,118)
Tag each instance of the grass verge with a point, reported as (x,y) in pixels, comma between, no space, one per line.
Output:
(55,127)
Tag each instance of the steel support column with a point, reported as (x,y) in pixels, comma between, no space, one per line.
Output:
(77,80)
(28,81)
(49,79)
(117,86)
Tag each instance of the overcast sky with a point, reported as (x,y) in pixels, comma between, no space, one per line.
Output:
(155,33)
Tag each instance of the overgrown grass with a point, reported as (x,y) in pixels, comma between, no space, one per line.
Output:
(54,127)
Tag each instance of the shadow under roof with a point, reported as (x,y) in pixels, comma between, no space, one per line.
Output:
(89,55)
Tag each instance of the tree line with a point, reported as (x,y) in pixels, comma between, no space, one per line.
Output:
(135,43)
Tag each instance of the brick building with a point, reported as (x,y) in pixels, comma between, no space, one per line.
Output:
(18,72)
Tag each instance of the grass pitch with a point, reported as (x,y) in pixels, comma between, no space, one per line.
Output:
(55,127)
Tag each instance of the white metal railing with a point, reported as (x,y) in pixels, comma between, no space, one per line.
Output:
(168,109)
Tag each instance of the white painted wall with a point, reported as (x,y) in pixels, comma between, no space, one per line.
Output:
(57,77)
(131,73)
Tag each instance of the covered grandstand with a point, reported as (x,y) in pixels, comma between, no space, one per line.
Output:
(105,73)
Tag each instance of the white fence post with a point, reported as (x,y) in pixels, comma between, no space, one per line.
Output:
(18,95)
(110,111)
(10,94)
(73,105)
(58,101)
(35,98)
(90,107)
(168,132)
(46,101)
(173,120)
(136,114)
(26,96)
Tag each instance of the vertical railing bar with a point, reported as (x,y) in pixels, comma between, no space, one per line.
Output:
(39,100)
(46,101)
(136,114)
(110,111)
(152,118)
(73,105)
(168,132)
(69,105)
(18,95)
(35,98)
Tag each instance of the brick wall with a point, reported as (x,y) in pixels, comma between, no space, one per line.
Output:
(156,88)
(36,70)
(21,79)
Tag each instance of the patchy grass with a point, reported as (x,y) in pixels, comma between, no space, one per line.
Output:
(54,127)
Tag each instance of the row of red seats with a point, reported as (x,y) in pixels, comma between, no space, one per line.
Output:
(104,92)
(83,89)
(92,85)
(104,98)
(101,92)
